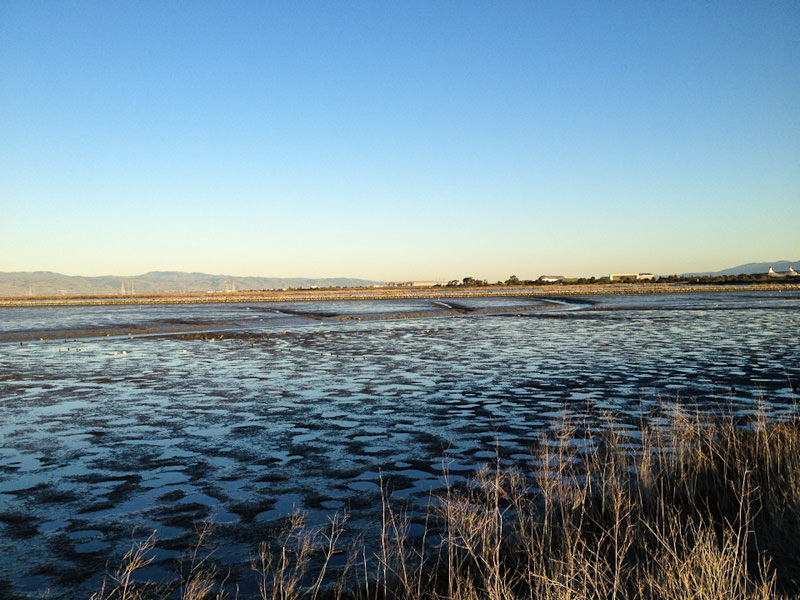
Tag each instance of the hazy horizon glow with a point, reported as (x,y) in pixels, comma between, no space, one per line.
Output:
(398,141)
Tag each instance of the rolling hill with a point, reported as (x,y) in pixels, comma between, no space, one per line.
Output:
(45,283)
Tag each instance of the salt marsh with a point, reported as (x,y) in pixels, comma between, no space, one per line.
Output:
(115,419)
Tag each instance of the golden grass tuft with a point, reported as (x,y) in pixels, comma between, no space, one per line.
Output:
(699,509)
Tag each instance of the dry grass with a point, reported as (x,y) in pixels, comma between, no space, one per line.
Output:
(697,510)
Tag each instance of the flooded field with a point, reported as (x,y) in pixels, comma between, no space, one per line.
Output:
(115,419)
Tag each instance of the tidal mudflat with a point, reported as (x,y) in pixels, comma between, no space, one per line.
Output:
(135,418)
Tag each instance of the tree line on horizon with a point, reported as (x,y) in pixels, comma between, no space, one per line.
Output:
(513,280)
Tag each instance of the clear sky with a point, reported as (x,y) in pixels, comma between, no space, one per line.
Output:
(398,140)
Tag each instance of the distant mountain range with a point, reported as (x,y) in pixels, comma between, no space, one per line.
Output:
(752,268)
(44,283)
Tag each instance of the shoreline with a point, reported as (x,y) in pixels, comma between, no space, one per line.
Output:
(383,294)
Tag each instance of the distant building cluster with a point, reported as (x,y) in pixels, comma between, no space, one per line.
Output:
(513,280)
(412,283)
(634,276)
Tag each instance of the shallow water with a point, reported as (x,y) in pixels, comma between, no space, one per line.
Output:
(249,411)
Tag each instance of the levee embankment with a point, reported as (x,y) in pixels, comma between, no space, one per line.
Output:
(384,294)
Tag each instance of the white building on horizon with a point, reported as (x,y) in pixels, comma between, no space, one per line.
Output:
(790,273)
(635,276)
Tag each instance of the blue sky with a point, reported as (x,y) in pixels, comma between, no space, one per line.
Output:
(398,140)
